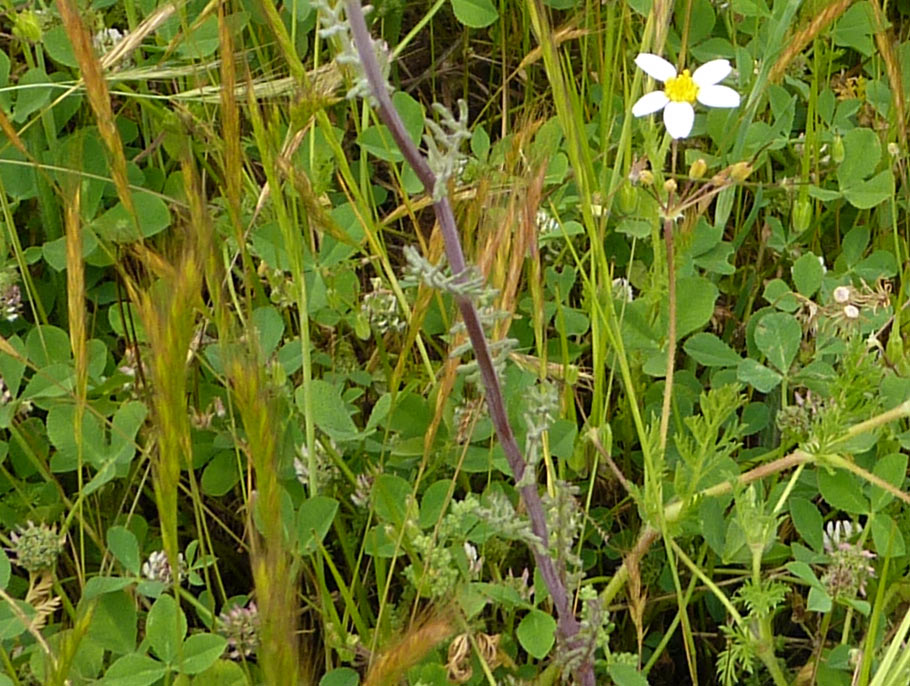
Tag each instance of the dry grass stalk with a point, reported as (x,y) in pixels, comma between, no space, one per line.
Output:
(410,649)
(99,100)
(883,40)
(276,588)
(798,42)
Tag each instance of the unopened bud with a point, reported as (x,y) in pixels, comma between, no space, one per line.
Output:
(841,294)
(851,311)
(802,215)
(670,186)
(646,178)
(627,198)
(740,171)
(698,168)
(837,149)
(894,149)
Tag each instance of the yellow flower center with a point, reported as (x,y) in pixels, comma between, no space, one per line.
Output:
(681,88)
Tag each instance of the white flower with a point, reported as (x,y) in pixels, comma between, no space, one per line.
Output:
(682,90)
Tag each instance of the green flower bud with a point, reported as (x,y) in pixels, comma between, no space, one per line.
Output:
(837,150)
(628,198)
(802,215)
(27,26)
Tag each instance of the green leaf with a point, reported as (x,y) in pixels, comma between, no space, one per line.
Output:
(314,518)
(222,673)
(11,625)
(880,264)
(377,140)
(854,244)
(391,495)
(778,336)
(695,304)
(117,225)
(536,633)
(807,274)
(808,522)
(887,536)
(854,29)
(634,227)
(270,327)
(201,651)
(778,294)
(341,676)
(113,625)
(626,675)
(475,14)
(867,194)
(123,545)
(818,600)
(329,411)
(862,153)
(221,474)
(99,585)
(757,375)
(134,670)
(842,490)
(58,46)
(433,503)
(5,570)
(893,470)
(34,92)
(165,628)
(710,351)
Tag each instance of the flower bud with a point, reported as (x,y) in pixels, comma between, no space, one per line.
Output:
(670,186)
(802,215)
(740,171)
(837,149)
(841,294)
(646,178)
(27,26)
(698,168)
(851,311)
(628,199)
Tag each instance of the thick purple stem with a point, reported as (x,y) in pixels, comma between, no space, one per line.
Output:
(568,624)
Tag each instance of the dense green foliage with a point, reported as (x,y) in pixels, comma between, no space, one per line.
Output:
(217,357)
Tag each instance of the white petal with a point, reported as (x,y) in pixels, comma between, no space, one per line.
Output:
(655,66)
(650,103)
(711,72)
(718,96)
(678,118)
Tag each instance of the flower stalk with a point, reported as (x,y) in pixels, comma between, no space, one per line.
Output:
(568,625)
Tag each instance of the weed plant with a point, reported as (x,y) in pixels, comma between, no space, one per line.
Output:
(454,343)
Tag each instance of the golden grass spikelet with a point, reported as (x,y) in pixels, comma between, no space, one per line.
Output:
(410,649)
(99,100)
(797,43)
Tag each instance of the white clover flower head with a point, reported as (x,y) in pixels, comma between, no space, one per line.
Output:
(682,90)
(851,312)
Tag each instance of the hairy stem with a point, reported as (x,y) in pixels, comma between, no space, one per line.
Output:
(568,624)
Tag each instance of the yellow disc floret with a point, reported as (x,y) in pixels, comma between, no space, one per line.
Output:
(681,88)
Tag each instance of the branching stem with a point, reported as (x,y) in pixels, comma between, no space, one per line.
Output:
(568,624)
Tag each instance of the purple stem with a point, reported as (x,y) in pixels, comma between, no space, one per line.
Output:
(568,624)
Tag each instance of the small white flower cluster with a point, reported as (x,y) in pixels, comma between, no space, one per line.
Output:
(380,307)
(157,568)
(842,296)
(850,566)
(240,626)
